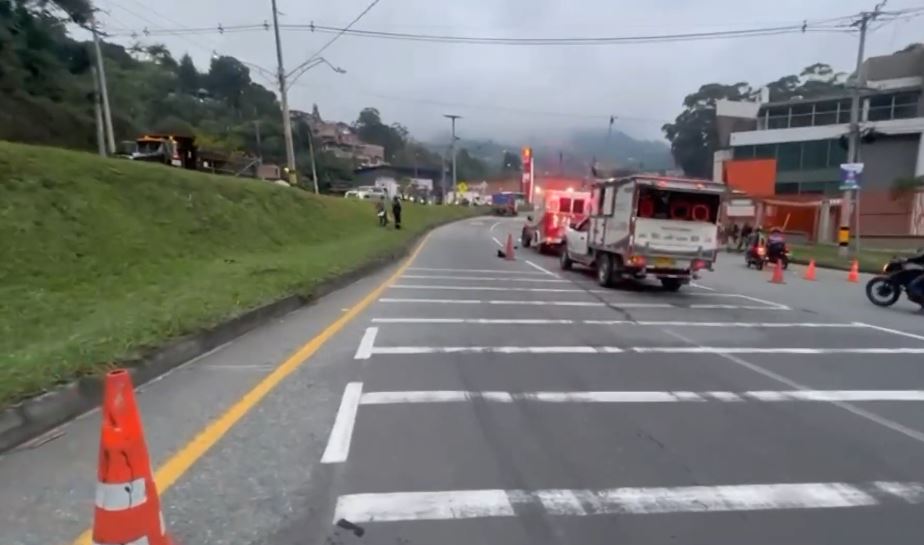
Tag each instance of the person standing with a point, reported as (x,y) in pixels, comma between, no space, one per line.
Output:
(745,235)
(381,213)
(396,211)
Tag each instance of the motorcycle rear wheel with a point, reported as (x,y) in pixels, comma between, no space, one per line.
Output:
(882,292)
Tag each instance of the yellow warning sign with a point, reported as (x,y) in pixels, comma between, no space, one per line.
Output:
(461,187)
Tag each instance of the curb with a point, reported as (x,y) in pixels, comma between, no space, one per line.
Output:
(31,418)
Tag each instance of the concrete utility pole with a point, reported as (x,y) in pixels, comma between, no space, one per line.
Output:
(104,91)
(98,113)
(314,168)
(452,147)
(256,127)
(284,100)
(853,142)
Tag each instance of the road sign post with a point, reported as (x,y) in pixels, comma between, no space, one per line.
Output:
(851,175)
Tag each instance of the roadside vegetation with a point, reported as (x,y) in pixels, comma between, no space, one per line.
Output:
(102,259)
(825,255)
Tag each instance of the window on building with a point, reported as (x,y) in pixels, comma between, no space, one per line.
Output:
(843,113)
(801,115)
(880,107)
(789,156)
(815,154)
(905,105)
(837,154)
(744,152)
(765,151)
(778,118)
(826,113)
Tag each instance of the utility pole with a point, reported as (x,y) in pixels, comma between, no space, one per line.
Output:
(286,121)
(256,127)
(104,92)
(98,113)
(314,168)
(853,143)
(452,147)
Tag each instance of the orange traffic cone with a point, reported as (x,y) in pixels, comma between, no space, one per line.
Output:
(854,274)
(777,277)
(810,271)
(508,251)
(127,505)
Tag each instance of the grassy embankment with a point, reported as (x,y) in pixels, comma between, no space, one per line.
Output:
(102,259)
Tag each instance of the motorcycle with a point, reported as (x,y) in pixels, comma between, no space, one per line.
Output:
(756,256)
(778,251)
(885,289)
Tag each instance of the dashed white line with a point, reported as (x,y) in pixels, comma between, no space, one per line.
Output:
(539,268)
(468,504)
(486,321)
(341,435)
(499,243)
(366,344)
(495,278)
(514,302)
(484,288)
(764,396)
(702,287)
(489,271)
(585,349)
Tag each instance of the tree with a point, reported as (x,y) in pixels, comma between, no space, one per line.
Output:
(228,79)
(161,55)
(187,76)
(468,167)
(693,134)
(511,163)
(371,130)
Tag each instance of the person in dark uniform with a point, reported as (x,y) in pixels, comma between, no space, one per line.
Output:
(396,211)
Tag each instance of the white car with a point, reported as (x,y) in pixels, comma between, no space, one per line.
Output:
(366,192)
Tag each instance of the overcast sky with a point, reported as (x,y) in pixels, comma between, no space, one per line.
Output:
(516,93)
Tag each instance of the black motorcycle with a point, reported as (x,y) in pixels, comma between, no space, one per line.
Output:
(885,289)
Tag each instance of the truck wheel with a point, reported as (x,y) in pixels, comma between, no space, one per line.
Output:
(525,239)
(564,260)
(671,284)
(605,270)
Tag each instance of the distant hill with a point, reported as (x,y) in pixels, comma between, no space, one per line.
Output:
(573,153)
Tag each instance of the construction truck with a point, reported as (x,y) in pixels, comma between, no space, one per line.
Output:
(647,225)
(169,149)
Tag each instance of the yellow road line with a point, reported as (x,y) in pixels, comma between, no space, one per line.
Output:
(178,464)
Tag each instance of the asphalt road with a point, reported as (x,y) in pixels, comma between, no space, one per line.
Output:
(480,400)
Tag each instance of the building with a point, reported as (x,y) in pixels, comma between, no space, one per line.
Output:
(340,140)
(793,150)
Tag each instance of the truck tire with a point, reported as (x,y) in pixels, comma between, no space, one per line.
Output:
(671,284)
(525,239)
(605,269)
(564,260)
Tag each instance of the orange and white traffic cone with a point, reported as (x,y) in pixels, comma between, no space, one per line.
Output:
(508,251)
(810,271)
(777,277)
(854,274)
(127,505)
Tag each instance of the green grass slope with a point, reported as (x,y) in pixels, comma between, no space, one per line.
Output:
(100,259)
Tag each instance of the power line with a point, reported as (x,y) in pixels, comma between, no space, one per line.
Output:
(337,36)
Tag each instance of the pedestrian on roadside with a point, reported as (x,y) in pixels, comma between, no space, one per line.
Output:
(396,211)
(735,230)
(381,213)
(745,235)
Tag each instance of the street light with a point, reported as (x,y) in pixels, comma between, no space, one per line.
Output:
(452,118)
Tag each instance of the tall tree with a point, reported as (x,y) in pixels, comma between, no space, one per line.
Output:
(511,163)
(187,76)
(228,79)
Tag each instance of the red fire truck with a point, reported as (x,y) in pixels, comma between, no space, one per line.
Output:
(555,210)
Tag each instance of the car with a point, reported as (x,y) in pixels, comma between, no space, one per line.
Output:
(366,192)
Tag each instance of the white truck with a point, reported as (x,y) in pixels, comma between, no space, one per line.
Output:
(645,225)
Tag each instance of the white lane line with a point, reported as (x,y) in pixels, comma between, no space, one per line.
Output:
(853,409)
(892,331)
(408,350)
(662,323)
(541,269)
(489,271)
(509,302)
(739,307)
(491,321)
(469,504)
(338,444)
(775,350)
(767,396)
(366,344)
(499,243)
(499,278)
(702,287)
(483,288)
(763,301)
(769,325)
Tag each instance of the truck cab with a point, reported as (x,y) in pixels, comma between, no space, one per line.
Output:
(645,226)
(555,210)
